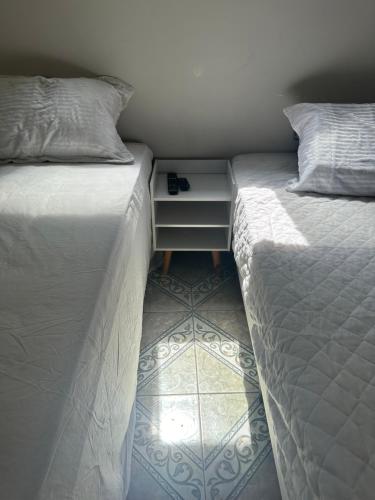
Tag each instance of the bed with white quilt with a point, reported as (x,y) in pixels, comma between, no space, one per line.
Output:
(307,269)
(74,255)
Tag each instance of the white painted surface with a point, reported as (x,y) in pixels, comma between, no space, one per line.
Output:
(211,76)
(203,187)
(198,219)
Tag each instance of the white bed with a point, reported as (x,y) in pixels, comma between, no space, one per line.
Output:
(307,269)
(74,254)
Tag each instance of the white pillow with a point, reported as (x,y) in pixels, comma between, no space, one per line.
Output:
(62,119)
(336,154)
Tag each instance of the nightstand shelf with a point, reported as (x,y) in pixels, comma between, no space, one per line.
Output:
(192,214)
(203,187)
(203,239)
(196,220)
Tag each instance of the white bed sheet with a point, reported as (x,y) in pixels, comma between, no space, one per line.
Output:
(74,254)
(307,270)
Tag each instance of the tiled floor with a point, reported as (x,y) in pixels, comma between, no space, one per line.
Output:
(201,431)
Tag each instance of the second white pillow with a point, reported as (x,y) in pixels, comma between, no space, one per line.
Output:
(336,154)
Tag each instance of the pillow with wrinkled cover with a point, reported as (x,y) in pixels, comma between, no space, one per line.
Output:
(62,119)
(336,154)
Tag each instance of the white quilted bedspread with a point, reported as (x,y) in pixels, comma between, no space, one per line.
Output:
(307,268)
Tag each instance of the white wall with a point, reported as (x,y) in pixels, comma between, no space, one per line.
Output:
(211,76)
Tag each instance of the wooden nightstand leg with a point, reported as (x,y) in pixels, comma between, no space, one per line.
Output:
(166,261)
(216,259)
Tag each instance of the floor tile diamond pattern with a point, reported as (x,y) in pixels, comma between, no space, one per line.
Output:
(201,431)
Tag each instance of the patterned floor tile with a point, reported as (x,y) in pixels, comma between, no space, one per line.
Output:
(211,285)
(142,484)
(215,376)
(224,363)
(235,443)
(191,267)
(178,377)
(167,444)
(175,287)
(232,322)
(165,351)
(155,324)
(164,296)
(193,286)
(264,484)
(226,296)
(200,431)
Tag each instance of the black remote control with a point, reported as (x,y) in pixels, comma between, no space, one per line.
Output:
(172,183)
(183,184)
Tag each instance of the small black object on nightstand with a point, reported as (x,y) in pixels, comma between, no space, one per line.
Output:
(183,184)
(172,183)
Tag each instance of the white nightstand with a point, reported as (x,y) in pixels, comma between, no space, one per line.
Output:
(196,220)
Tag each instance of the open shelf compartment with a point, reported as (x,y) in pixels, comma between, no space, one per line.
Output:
(203,187)
(191,239)
(192,214)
